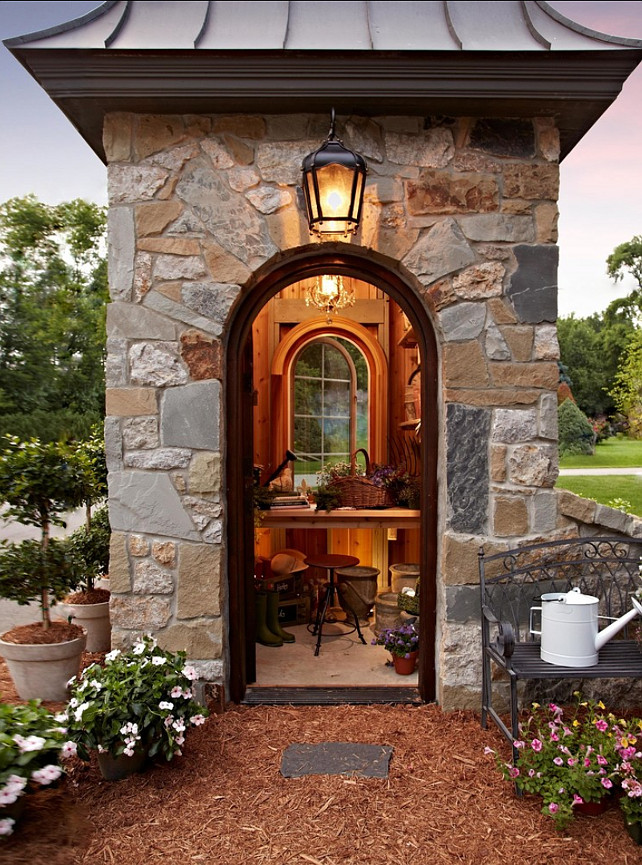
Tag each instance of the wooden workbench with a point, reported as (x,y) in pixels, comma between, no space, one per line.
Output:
(341,518)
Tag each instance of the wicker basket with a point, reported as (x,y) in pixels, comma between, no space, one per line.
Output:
(360,492)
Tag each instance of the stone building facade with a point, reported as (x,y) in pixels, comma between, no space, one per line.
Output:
(464,210)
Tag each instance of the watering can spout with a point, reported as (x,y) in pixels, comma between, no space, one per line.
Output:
(611,630)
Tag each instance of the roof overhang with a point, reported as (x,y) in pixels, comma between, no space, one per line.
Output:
(575,87)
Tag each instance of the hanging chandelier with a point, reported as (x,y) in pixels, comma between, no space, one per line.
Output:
(334,179)
(328,293)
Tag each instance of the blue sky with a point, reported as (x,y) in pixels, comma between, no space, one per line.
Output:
(601,180)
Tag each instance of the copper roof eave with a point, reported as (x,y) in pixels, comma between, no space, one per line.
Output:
(86,84)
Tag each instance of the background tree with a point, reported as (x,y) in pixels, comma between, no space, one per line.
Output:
(590,351)
(627,258)
(627,388)
(53,293)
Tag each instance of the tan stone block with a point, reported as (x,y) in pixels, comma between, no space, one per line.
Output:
(168,188)
(460,559)
(199,640)
(465,365)
(199,581)
(138,545)
(154,133)
(543,374)
(493,396)
(140,612)
(241,152)
(519,339)
(202,354)
(288,228)
(516,206)
(170,245)
(173,290)
(480,281)
(531,181)
(117,137)
(548,138)
(164,552)
(154,217)
(205,473)
(498,463)
(223,266)
(439,192)
(576,507)
(119,573)
(130,401)
(441,294)
(510,516)
(501,311)
(241,125)
(546,219)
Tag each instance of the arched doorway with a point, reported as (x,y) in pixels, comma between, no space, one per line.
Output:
(299,265)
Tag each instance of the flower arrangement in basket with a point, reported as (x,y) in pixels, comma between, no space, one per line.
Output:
(31,742)
(353,486)
(141,700)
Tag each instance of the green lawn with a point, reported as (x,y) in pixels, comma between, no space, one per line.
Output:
(605,488)
(613,453)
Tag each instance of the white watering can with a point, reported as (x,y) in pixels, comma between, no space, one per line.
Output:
(569,630)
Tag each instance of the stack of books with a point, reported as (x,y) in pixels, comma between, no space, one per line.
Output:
(292,501)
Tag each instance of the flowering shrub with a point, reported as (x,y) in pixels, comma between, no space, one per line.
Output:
(567,760)
(627,745)
(399,641)
(31,741)
(141,700)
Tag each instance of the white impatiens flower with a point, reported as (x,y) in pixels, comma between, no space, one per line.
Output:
(6,825)
(177,692)
(129,727)
(69,749)
(47,775)
(197,720)
(31,743)
(78,713)
(138,648)
(96,684)
(179,725)
(165,705)
(111,656)
(158,661)
(190,673)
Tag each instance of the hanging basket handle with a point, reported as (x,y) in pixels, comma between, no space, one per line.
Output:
(353,460)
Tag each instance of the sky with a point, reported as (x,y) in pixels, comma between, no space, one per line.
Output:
(601,179)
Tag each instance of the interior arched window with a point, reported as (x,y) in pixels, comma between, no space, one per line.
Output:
(329,405)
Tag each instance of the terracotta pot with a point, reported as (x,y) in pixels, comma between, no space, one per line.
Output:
(94,618)
(405,666)
(592,809)
(42,671)
(117,768)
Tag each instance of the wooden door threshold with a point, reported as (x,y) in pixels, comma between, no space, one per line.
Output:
(319,696)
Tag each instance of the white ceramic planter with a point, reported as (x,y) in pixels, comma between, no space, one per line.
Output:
(42,671)
(94,618)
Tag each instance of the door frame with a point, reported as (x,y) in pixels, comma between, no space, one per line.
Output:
(305,263)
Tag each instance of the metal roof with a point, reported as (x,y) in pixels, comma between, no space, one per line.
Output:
(408,57)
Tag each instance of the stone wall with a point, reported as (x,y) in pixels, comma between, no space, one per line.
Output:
(464,210)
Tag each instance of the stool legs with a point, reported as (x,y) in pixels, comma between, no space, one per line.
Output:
(352,612)
(321,614)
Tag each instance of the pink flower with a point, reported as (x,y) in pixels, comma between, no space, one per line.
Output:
(606,782)
(558,761)
(513,771)
(571,761)
(577,800)
(601,725)
(602,761)
(536,745)
(553,807)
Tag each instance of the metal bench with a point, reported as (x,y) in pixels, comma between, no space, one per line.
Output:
(512,582)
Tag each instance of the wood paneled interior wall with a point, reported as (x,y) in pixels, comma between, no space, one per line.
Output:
(384,319)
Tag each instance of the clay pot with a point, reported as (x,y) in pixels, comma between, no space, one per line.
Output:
(41,671)
(405,666)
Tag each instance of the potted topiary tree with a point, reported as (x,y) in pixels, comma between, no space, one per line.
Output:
(39,481)
(88,547)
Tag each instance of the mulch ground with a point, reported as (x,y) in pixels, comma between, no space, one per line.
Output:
(225,801)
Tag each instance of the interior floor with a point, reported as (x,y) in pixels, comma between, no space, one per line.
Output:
(342,662)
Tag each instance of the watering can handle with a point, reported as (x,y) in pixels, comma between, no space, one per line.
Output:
(530,621)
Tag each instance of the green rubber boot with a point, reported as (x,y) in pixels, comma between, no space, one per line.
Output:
(264,635)
(273,618)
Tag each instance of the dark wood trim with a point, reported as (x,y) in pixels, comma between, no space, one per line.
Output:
(295,265)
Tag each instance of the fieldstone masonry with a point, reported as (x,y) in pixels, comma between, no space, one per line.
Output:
(465,210)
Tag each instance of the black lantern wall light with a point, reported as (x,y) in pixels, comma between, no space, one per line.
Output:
(334,179)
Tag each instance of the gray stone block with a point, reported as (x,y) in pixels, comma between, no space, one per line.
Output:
(463,321)
(136,322)
(533,286)
(462,604)
(190,416)
(468,431)
(120,252)
(146,502)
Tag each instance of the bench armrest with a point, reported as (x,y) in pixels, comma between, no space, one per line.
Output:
(504,643)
